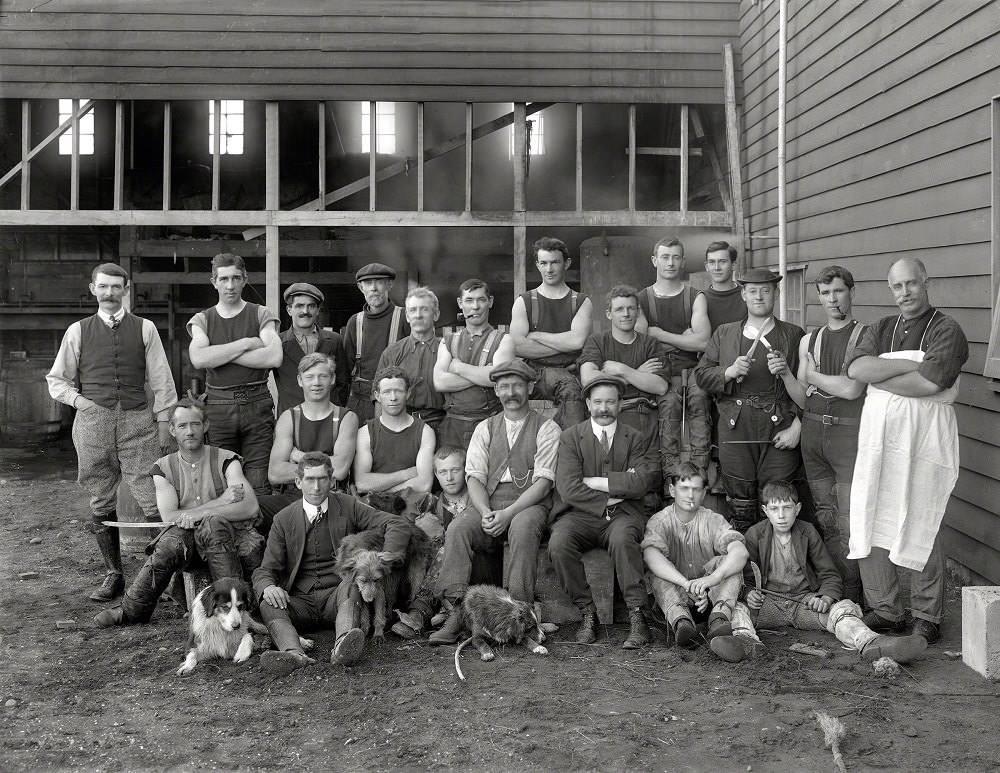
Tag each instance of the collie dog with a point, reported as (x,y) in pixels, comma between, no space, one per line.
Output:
(492,614)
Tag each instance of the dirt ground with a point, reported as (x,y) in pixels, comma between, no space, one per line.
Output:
(89,699)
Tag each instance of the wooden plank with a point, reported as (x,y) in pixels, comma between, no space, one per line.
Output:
(631,157)
(153,278)
(520,260)
(971,553)
(979,423)
(216,153)
(207,248)
(579,157)
(119,172)
(65,126)
(685,149)
(733,147)
(520,161)
(420,156)
(468,156)
(372,152)
(983,492)
(977,456)
(167,154)
(321,169)
(272,200)
(74,164)
(25,149)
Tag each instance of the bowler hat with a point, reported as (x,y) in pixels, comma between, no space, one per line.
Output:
(759,276)
(515,367)
(616,381)
(303,288)
(375,271)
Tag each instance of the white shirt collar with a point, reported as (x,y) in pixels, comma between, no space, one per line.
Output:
(109,319)
(313,511)
(597,429)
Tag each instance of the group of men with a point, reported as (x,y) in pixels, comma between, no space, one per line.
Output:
(392,408)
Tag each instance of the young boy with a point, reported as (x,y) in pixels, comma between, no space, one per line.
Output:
(801,586)
(439,511)
(695,558)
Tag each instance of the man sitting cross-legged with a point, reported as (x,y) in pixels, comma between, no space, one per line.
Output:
(202,491)
(510,469)
(317,424)
(297,584)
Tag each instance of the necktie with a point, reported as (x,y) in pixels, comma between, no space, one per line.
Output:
(605,444)
(115,322)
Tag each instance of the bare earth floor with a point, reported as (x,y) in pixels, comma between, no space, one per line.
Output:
(89,699)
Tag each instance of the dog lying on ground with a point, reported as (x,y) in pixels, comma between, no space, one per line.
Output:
(221,626)
(491,613)
(382,586)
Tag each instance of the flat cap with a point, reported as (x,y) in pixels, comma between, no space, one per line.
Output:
(759,276)
(616,381)
(375,271)
(303,288)
(516,367)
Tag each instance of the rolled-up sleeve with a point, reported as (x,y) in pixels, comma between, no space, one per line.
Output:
(62,377)
(947,351)
(546,451)
(477,456)
(158,374)
(656,534)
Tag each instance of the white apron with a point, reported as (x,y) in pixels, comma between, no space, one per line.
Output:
(906,468)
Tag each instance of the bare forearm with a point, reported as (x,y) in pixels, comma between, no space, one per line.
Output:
(480,376)
(688,341)
(872,370)
(217,355)
(259,358)
(732,564)
(562,342)
(795,389)
(838,386)
(383,481)
(647,382)
(450,382)
(533,349)
(531,496)
(478,496)
(909,385)
(279,473)
(663,568)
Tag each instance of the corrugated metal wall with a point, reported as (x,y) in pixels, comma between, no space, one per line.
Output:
(889,156)
(443,50)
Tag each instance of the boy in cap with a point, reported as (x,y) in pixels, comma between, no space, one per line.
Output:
(369,332)
(303,302)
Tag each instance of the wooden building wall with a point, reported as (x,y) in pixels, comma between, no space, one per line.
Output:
(888,155)
(398,50)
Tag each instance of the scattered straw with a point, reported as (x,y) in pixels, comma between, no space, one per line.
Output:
(833,733)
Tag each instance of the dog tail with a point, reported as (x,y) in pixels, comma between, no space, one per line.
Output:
(458,652)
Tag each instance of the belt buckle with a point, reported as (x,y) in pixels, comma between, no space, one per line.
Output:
(828,420)
(240,394)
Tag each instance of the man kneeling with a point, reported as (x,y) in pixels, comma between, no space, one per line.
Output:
(296,582)
(800,584)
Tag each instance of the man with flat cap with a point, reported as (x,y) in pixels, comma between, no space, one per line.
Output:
(369,332)
(605,468)
(510,468)
(750,368)
(305,336)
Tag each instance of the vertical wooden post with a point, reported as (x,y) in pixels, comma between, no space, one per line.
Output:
(420,156)
(520,259)
(125,261)
(372,150)
(167,154)
(520,195)
(468,156)
(119,184)
(25,149)
(631,158)
(733,148)
(579,157)
(74,169)
(272,197)
(216,153)
(321,171)
(685,139)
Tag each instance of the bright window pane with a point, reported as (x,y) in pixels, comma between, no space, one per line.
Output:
(385,114)
(536,135)
(231,125)
(86,130)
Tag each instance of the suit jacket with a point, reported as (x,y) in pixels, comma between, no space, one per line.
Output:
(634,462)
(286,542)
(810,551)
(285,375)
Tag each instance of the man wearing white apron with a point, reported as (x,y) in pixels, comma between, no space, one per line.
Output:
(907,462)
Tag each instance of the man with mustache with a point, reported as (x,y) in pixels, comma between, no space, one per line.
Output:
(304,336)
(510,468)
(101,369)
(236,342)
(749,367)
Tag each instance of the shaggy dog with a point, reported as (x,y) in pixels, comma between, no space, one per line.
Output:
(488,612)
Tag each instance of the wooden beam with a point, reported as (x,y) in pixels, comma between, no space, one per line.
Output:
(25,149)
(579,157)
(520,259)
(420,156)
(683,206)
(216,153)
(372,149)
(733,148)
(118,197)
(272,200)
(643,150)
(74,164)
(255,277)
(631,158)
(468,156)
(321,172)
(167,154)
(59,131)
(400,167)
(206,248)
(520,159)
(713,157)
(339,218)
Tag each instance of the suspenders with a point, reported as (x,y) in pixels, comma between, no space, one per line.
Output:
(654,316)
(533,311)
(852,342)
(359,334)
(489,347)
(335,417)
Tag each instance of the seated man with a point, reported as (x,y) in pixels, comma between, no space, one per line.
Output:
(395,451)
(202,491)
(605,468)
(695,558)
(317,424)
(296,582)
(510,468)
(800,584)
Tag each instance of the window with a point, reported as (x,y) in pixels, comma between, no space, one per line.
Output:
(86,129)
(230,127)
(385,127)
(536,135)
(795,294)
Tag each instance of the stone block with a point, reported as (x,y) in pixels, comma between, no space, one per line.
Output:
(981,630)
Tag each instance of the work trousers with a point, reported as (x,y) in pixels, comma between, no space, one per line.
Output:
(338,607)
(881,586)
(576,532)
(843,620)
(112,444)
(690,409)
(564,390)
(360,400)
(465,538)
(828,454)
(677,603)
(246,427)
(456,431)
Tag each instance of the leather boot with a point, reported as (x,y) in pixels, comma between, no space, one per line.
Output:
(746,512)
(685,632)
(410,624)
(113,583)
(639,635)
(214,540)
(587,632)
(140,599)
(450,631)
(109,618)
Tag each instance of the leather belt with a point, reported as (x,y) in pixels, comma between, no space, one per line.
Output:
(248,392)
(828,420)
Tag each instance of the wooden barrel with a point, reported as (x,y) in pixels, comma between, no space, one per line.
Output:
(28,416)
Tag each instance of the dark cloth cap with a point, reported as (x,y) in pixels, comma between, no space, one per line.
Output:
(615,381)
(375,271)
(516,367)
(759,276)
(303,288)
